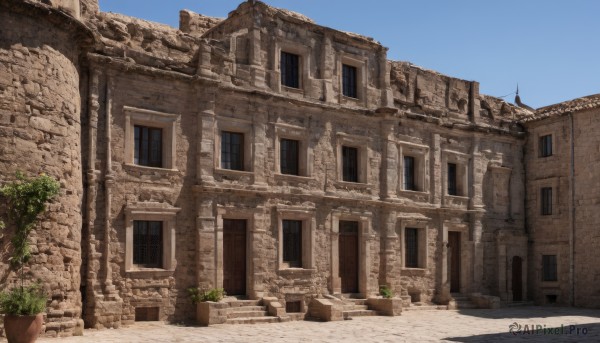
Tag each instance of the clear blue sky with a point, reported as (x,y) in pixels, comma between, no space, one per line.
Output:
(550,47)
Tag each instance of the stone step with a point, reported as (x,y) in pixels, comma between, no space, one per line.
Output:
(240,303)
(349,307)
(248,308)
(425,308)
(358,301)
(358,313)
(246,314)
(465,305)
(252,320)
(519,303)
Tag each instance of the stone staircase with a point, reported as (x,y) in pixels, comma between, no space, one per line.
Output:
(249,312)
(463,302)
(356,308)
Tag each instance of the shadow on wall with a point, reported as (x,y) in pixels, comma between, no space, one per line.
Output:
(527,311)
(589,332)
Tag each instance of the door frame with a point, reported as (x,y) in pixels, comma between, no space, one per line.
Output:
(250,215)
(460,262)
(364,257)
(512,273)
(357,252)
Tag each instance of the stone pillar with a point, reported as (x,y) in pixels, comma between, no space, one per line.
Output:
(390,252)
(443,285)
(335,281)
(436,170)
(206,244)
(476,233)
(477,169)
(260,145)
(258,252)
(257,69)
(327,67)
(205,149)
(385,67)
(205,60)
(391,160)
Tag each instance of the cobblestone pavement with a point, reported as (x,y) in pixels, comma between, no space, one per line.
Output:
(413,326)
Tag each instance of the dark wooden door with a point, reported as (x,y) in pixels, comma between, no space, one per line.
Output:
(348,256)
(234,256)
(454,252)
(517,278)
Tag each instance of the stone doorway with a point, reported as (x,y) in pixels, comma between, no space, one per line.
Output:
(454,260)
(517,278)
(234,256)
(348,256)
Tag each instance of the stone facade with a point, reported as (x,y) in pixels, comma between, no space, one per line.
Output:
(75,84)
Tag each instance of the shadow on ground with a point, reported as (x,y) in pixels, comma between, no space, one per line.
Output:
(531,311)
(529,330)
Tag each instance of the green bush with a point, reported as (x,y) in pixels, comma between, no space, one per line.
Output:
(23,301)
(385,292)
(202,295)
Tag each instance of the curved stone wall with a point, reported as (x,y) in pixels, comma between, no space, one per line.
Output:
(40,132)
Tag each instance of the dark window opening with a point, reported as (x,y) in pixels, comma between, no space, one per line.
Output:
(546,195)
(232,150)
(293,307)
(147,243)
(348,227)
(290,70)
(409,173)
(549,272)
(146,314)
(545,146)
(452,185)
(148,146)
(292,243)
(551,298)
(349,85)
(411,240)
(289,150)
(350,164)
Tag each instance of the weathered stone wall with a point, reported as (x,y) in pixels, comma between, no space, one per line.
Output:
(40,132)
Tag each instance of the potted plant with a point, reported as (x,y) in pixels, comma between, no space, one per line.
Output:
(24,304)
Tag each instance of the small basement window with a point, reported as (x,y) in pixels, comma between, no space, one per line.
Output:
(293,306)
(146,314)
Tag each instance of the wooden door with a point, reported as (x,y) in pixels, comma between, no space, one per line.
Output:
(454,252)
(348,256)
(517,278)
(234,256)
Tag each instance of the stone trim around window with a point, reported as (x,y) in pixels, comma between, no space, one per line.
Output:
(166,121)
(536,144)
(553,183)
(361,143)
(422,225)
(420,153)
(309,224)
(296,48)
(152,211)
(361,64)
(240,126)
(462,178)
(300,134)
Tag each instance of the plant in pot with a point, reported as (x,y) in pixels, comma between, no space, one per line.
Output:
(23,305)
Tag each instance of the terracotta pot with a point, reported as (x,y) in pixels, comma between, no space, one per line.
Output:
(23,329)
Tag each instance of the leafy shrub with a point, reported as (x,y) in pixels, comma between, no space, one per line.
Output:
(23,301)
(385,292)
(202,295)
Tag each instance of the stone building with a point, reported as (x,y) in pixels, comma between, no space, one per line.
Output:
(274,157)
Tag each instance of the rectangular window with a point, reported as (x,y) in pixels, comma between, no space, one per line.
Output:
(411,240)
(292,243)
(545,146)
(350,164)
(290,70)
(452,187)
(232,150)
(289,156)
(409,173)
(148,146)
(147,243)
(546,195)
(549,268)
(349,86)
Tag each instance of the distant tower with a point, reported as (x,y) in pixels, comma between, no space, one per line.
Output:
(519,103)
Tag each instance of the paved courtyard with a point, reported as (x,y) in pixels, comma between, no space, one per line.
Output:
(553,325)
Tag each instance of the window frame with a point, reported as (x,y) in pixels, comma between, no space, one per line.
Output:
(234,125)
(420,154)
(307,217)
(297,133)
(151,211)
(547,275)
(349,81)
(411,247)
(462,162)
(167,122)
(360,143)
(361,63)
(546,201)
(421,224)
(350,163)
(237,165)
(545,145)
(294,83)
(289,165)
(296,260)
(136,246)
